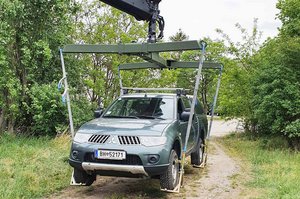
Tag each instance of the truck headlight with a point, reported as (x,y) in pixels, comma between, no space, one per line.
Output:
(153,141)
(81,137)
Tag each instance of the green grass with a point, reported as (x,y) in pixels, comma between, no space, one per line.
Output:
(33,167)
(275,168)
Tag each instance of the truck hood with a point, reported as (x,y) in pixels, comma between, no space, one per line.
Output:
(112,126)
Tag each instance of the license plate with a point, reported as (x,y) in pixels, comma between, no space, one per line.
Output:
(110,154)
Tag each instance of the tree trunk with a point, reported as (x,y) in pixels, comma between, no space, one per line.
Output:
(295,143)
(2,122)
(6,121)
(10,127)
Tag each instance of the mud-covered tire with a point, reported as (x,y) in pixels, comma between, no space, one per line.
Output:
(197,157)
(83,177)
(169,180)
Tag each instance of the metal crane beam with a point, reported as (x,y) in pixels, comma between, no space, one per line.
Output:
(147,51)
(146,10)
(170,65)
(132,48)
(139,9)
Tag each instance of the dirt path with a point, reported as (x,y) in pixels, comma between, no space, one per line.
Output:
(219,179)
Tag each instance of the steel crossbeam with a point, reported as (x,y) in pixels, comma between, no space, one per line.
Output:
(132,48)
(147,51)
(169,65)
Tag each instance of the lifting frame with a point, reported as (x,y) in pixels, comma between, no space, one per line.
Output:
(150,53)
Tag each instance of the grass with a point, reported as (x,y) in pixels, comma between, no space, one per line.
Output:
(37,167)
(275,168)
(33,167)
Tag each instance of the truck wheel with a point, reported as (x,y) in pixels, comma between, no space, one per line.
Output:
(170,178)
(84,178)
(197,157)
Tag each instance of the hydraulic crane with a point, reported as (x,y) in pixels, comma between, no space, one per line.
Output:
(145,10)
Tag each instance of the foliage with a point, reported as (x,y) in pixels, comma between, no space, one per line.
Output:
(289,16)
(179,36)
(262,84)
(99,23)
(28,53)
(82,110)
(46,110)
(276,88)
(235,95)
(276,83)
(186,77)
(258,86)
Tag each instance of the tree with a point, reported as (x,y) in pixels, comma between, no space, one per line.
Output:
(99,23)
(186,78)
(276,84)
(235,93)
(28,54)
(289,16)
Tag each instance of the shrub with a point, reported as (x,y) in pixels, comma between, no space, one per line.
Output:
(46,109)
(276,89)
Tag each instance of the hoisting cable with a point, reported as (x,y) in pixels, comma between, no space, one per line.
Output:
(203,49)
(161,25)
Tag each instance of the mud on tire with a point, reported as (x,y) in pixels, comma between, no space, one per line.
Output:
(170,178)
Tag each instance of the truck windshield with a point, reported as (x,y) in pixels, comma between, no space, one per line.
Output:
(142,108)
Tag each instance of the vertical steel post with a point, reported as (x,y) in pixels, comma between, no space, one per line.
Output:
(67,92)
(203,46)
(120,81)
(215,103)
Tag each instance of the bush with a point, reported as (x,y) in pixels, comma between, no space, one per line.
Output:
(276,89)
(82,111)
(46,109)
(49,115)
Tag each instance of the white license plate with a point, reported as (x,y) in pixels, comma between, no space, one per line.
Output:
(110,154)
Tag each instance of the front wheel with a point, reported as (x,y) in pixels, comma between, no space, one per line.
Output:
(169,180)
(197,157)
(83,177)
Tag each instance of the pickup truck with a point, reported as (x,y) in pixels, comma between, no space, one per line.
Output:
(139,135)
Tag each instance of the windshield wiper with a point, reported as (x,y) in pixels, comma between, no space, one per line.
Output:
(118,116)
(148,117)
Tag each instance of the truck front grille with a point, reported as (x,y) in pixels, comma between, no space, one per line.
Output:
(129,140)
(101,139)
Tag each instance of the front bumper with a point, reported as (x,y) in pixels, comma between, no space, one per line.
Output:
(130,168)
(119,170)
(136,170)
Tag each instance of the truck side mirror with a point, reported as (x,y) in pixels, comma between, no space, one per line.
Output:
(98,113)
(185,115)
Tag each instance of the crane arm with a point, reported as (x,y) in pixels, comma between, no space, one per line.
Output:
(146,10)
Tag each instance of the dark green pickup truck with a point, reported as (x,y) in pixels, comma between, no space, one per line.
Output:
(139,135)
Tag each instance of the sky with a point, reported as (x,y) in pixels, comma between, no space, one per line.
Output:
(199,18)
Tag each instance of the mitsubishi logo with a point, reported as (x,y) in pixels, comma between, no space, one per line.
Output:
(113,140)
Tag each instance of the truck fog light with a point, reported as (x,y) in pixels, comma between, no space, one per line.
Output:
(75,154)
(153,159)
